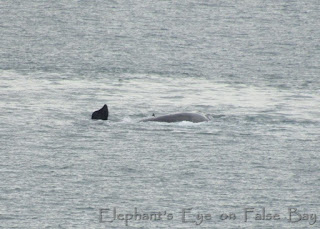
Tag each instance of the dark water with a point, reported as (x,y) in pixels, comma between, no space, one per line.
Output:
(252,65)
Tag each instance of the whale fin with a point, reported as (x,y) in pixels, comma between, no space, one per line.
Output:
(103,113)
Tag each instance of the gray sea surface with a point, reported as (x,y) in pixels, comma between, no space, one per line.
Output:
(252,65)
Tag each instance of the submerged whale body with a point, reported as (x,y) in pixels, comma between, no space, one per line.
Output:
(179,117)
(103,114)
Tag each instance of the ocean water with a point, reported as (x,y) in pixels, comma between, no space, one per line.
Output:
(253,66)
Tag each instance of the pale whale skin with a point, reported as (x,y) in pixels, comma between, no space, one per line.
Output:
(179,117)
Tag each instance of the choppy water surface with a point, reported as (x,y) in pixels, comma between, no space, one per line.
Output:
(252,66)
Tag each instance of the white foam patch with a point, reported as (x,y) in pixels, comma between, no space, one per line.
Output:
(127,120)
(186,123)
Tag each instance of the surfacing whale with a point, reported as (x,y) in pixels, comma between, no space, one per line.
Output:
(103,114)
(179,117)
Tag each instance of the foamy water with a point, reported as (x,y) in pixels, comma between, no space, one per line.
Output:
(252,67)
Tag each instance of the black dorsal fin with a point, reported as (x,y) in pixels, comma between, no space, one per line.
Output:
(103,113)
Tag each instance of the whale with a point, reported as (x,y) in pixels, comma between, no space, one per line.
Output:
(178,117)
(103,114)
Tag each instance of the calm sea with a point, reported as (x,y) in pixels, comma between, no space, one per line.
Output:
(252,65)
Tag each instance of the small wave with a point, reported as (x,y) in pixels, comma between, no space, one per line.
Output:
(211,116)
(127,120)
(186,123)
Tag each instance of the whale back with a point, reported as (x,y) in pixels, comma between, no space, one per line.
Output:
(103,114)
(179,117)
